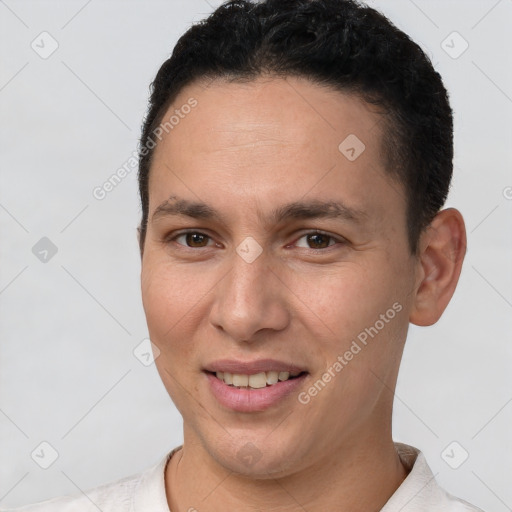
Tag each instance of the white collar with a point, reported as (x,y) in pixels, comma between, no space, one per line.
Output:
(419,492)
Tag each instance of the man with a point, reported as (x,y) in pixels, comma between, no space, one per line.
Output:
(293,165)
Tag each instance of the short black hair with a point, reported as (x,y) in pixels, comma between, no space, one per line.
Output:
(343,44)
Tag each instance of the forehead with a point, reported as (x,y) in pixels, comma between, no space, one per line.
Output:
(270,140)
(269,111)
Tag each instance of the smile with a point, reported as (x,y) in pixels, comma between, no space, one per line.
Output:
(254,392)
(256,380)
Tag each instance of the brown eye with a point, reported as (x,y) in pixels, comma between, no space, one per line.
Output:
(196,239)
(317,240)
(193,239)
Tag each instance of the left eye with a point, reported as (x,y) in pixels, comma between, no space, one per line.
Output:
(319,240)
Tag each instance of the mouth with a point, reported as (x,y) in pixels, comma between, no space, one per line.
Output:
(254,386)
(258,380)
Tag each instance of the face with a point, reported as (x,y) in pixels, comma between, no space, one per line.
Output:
(296,261)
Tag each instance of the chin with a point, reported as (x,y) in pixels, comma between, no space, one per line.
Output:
(257,456)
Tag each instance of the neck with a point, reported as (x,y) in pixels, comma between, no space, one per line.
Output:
(361,476)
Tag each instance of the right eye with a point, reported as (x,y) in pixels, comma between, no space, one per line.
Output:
(192,239)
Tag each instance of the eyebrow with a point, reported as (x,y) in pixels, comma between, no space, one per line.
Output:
(298,210)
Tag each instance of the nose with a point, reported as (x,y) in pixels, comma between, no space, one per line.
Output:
(249,299)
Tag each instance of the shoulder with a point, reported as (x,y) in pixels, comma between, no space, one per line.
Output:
(142,491)
(451,503)
(105,497)
(420,491)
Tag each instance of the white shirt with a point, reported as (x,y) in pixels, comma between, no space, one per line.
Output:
(145,492)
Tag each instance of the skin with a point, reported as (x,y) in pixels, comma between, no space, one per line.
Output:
(246,149)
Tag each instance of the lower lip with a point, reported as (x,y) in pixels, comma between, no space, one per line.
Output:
(252,400)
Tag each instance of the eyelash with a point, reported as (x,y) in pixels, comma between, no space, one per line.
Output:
(340,241)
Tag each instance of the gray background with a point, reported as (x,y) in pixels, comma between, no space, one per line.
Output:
(68,375)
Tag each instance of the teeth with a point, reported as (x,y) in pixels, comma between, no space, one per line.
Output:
(272,378)
(255,381)
(240,380)
(258,381)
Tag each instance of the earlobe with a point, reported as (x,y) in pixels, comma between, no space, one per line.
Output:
(442,251)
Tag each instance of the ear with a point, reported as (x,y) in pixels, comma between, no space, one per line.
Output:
(442,249)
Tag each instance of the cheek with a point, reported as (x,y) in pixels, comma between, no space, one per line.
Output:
(358,314)
(156,297)
(341,301)
(169,300)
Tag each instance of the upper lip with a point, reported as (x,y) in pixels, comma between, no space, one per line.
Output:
(252,367)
